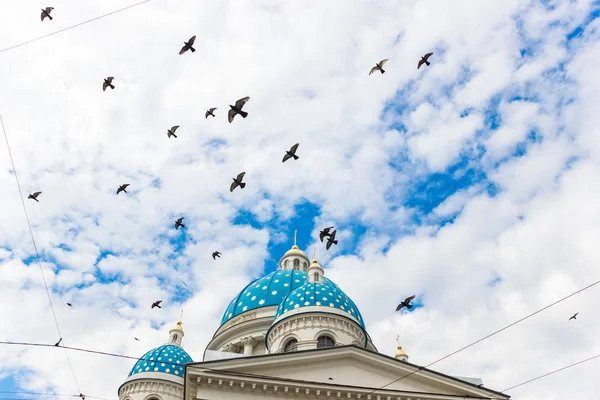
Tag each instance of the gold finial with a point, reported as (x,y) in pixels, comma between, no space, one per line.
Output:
(398,339)
(400,353)
(181,316)
(295,246)
(315,254)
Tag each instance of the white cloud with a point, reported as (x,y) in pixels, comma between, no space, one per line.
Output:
(364,142)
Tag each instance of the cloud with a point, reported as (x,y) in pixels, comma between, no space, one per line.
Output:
(479,168)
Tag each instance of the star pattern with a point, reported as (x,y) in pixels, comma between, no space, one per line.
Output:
(269,290)
(321,294)
(168,359)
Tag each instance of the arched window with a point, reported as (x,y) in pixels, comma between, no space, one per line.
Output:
(305,265)
(291,345)
(325,341)
(174,338)
(316,277)
(285,263)
(296,264)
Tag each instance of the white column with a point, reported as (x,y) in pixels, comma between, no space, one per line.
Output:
(249,343)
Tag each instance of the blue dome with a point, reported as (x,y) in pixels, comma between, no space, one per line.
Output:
(167,359)
(264,292)
(324,294)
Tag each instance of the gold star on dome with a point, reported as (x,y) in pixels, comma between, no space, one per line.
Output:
(318,303)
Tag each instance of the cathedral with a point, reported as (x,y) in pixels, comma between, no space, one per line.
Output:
(291,334)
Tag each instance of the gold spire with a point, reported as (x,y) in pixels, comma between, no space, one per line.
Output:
(315,254)
(400,353)
(295,246)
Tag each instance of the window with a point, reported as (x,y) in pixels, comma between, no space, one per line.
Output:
(325,341)
(296,264)
(174,338)
(291,345)
(305,265)
(316,277)
(285,263)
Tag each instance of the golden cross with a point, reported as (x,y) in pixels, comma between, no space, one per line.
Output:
(296,231)
(315,254)
(181,316)
(398,339)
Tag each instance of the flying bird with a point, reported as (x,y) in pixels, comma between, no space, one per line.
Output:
(157,304)
(178,223)
(137,339)
(574,316)
(216,254)
(46,13)
(291,153)
(210,111)
(188,45)
(171,132)
(58,343)
(108,83)
(379,67)
(34,196)
(70,305)
(82,396)
(406,303)
(237,109)
(122,188)
(331,240)
(238,182)
(325,233)
(424,59)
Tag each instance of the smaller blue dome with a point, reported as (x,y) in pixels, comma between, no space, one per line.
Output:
(166,359)
(323,294)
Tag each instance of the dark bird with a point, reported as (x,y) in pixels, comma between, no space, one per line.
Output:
(34,196)
(178,223)
(157,304)
(171,132)
(58,343)
(70,305)
(238,182)
(137,339)
(82,396)
(424,59)
(379,67)
(574,316)
(108,83)
(216,254)
(325,233)
(46,13)
(406,303)
(188,45)
(331,240)
(330,379)
(210,112)
(291,153)
(237,109)
(122,188)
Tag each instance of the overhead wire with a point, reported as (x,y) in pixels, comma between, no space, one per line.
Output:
(73,26)
(487,336)
(44,394)
(36,251)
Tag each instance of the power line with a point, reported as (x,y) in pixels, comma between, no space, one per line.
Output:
(73,26)
(553,372)
(488,336)
(45,394)
(36,250)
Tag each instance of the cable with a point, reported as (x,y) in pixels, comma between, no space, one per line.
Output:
(46,394)
(36,250)
(550,373)
(488,336)
(73,26)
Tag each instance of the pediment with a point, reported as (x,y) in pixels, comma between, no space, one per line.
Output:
(351,367)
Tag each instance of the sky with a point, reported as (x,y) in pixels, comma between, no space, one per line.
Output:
(472,183)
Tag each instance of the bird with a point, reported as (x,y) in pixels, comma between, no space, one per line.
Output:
(237,109)
(178,223)
(188,45)
(574,316)
(108,83)
(216,254)
(58,343)
(82,396)
(210,112)
(157,304)
(122,188)
(238,182)
(70,305)
(34,196)
(171,132)
(379,66)
(406,303)
(331,240)
(330,379)
(137,339)
(291,153)
(46,13)
(325,233)
(424,59)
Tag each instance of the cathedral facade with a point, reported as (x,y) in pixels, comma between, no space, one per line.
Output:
(292,333)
